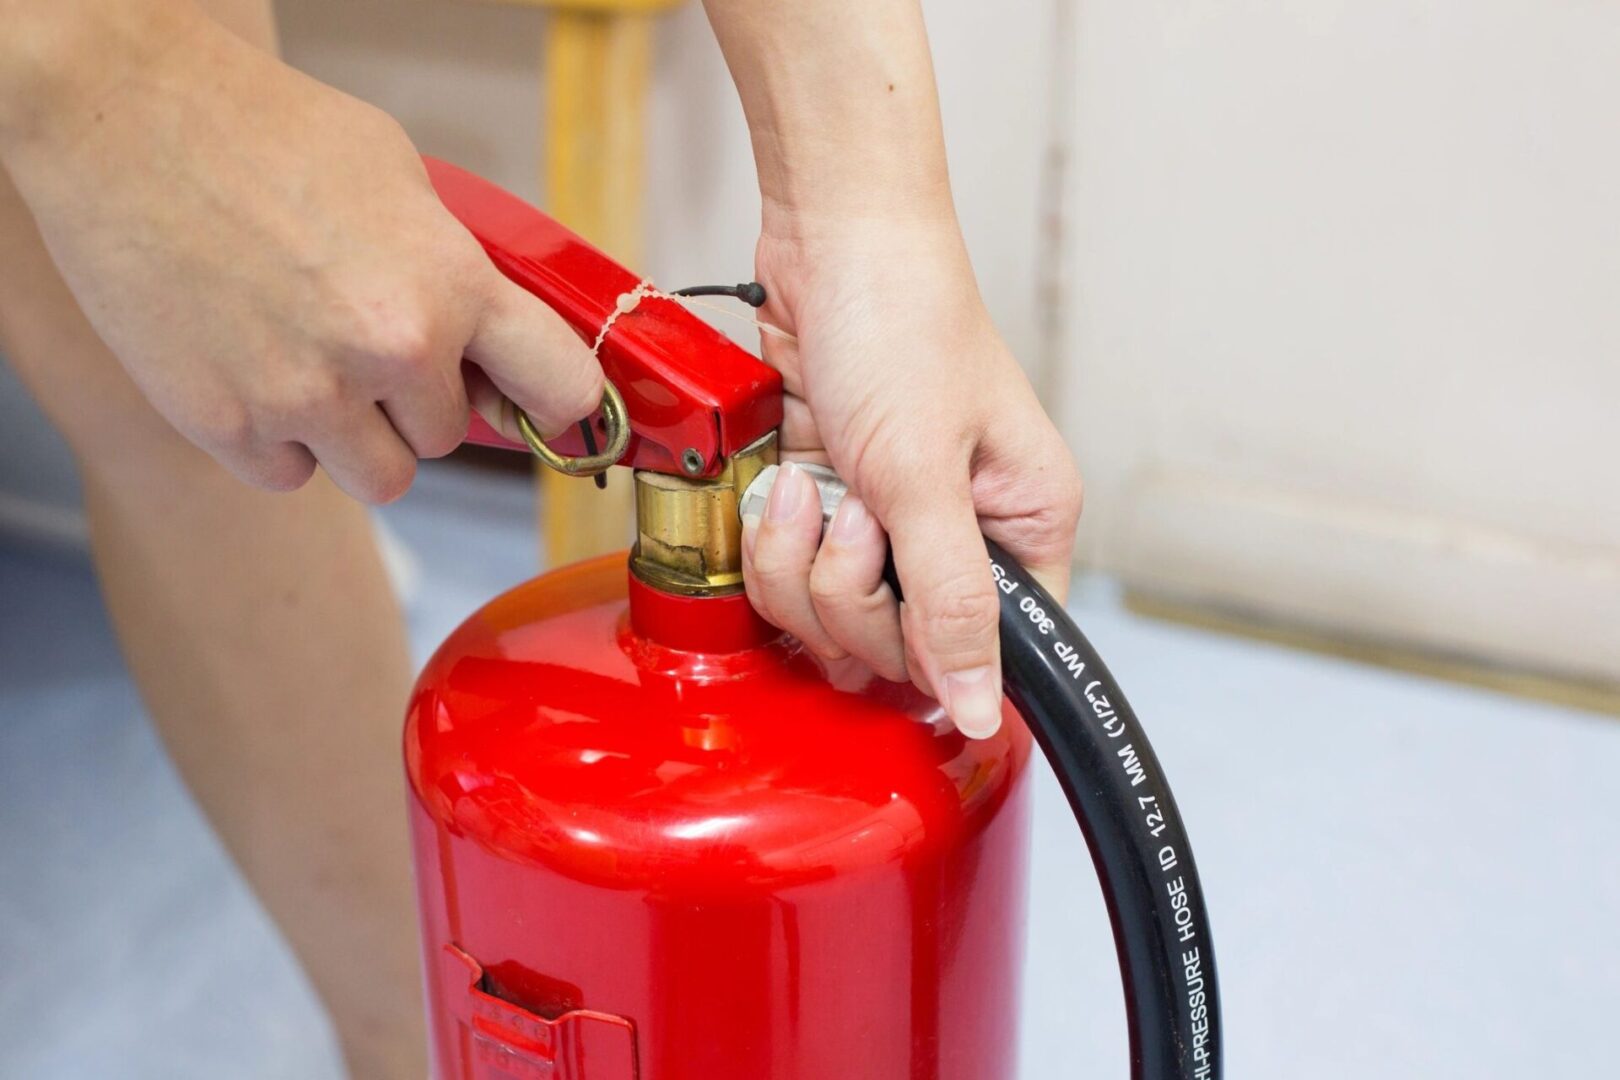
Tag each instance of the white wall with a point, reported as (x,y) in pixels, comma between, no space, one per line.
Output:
(1347,314)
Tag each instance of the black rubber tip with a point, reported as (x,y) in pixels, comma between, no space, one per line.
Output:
(751,293)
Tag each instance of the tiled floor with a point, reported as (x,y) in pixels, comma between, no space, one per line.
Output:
(1409,879)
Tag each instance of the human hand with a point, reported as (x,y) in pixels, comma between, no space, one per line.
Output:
(899,380)
(266,257)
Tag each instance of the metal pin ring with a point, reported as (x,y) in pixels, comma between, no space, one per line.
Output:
(617,421)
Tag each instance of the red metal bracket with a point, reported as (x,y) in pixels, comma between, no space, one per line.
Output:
(511,1043)
(686,386)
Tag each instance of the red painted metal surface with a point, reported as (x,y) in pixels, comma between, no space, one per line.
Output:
(685,384)
(763,867)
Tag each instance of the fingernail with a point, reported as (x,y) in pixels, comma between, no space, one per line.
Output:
(851,522)
(973,698)
(787,494)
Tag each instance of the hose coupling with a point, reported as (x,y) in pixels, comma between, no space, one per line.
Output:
(829,486)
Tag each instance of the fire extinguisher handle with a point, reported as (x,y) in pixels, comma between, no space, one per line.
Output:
(1121,799)
(692,397)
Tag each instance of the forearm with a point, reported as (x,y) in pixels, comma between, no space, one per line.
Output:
(841,106)
(61,60)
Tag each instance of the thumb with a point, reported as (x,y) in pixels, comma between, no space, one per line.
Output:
(951,615)
(533,358)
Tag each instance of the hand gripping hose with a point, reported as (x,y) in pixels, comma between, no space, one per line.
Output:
(1122,801)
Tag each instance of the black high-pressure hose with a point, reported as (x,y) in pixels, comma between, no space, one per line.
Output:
(1120,797)
(1122,801)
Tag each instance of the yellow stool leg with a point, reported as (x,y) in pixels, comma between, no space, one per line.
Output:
(597,67)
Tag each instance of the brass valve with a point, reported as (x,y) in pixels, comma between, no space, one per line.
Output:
(689,532)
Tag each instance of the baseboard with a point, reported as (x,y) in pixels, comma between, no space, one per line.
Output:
(1364,573)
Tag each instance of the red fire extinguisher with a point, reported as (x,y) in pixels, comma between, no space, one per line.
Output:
(656,840)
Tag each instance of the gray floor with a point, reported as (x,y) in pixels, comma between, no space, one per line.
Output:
(1409,879)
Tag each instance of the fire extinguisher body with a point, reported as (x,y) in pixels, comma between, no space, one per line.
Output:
(656,841)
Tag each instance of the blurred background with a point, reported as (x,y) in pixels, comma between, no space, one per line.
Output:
(1324,297)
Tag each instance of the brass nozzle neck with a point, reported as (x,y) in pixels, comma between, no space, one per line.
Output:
(689,532)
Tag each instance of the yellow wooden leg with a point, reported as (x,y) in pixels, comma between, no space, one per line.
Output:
(596,73)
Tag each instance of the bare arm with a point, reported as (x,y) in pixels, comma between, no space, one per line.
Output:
(898,375)
(841,106)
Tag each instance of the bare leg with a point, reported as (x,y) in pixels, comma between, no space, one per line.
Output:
(267,644)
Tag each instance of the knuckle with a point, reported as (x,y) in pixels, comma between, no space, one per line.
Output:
(833,589)
(1057,515)
(468,271)
(443,439)
(395,481)
(447,428)
(398,335)
(298,398)
(564,403)
(404,341)
(577,394)
(827,590)
(772,573)
(225,430)
(385,481)
(289,474)
(885,464)
(962,613)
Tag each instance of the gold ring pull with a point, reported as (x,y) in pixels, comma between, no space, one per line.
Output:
(618,437)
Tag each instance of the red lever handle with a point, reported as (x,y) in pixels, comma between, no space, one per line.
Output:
(691,393)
